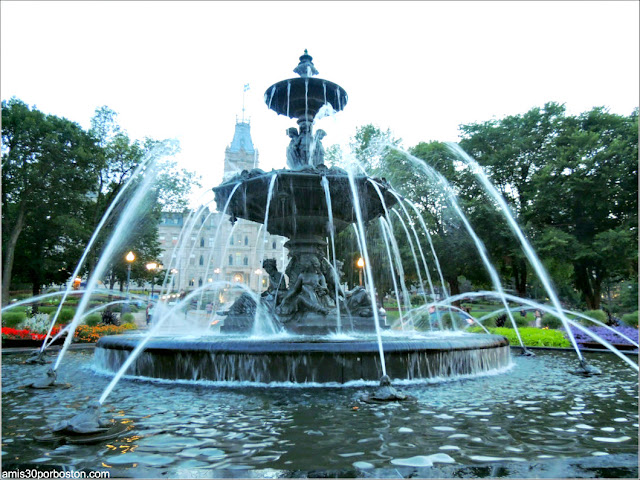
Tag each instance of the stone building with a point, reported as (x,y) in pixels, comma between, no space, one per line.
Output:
(235,256)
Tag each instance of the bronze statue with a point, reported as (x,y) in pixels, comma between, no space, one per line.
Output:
(309,293)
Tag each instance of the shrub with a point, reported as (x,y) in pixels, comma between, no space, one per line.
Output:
(417,300)
(129,326)
(39,323)
(13,319)
(551,321)
(127,318)
(630,319)
(48,309)
(66,315)
(93,319)
(531,337)
(596,314)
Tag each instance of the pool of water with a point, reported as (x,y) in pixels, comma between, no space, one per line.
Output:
(536,413)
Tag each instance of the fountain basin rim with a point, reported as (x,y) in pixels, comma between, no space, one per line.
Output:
(285,346)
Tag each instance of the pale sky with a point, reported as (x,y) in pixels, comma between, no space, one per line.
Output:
(177,69)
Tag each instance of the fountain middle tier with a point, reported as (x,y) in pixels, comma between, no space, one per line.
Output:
(306,359)
(298,206)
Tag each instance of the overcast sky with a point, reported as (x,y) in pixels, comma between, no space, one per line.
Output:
(177,69)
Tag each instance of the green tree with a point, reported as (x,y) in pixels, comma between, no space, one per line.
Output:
(572,184)
(170,191)
(48,171)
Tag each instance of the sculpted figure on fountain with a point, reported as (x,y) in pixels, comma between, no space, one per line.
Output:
(309,293)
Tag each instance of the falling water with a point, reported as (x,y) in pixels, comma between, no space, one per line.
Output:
(288,96)
(395,249)
(218,228)
(273,91)
(266,217)
(413,252)
(327,196)
(125,223)
(263,323)
(433,250)
(367,265)
(552,311)
(324,91)
(495,279)
(415,235)
(93,238)
(515,228)
(385,235)
(151,333)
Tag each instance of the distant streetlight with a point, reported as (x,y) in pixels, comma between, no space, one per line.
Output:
(360,264)
(129,258)
(152,267)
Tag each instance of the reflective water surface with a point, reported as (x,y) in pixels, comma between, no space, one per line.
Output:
(535,412)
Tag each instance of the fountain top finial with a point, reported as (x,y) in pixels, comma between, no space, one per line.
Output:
(306,68)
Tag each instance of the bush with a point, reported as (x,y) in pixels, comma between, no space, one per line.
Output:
(596,314)
(551,321)
(47,309)
(630,319)
(417,300)
(66,315)
(93,319)
(13,319)
(127,318)
(129,326)
(531,337)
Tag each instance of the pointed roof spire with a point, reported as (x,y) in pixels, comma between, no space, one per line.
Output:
(242,138)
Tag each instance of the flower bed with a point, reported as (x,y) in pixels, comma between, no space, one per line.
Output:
(586,341)
(87,334)
(12,337)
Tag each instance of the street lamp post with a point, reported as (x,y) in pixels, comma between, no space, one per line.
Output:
(129,258)
(152,267)
(360,264)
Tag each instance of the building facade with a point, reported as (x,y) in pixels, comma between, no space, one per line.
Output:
(209,248)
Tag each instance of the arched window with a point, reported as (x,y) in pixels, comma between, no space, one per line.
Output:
(246,240)
(246,260)
(201,262)
(230,259)
(231,240)
(202,241)
(273,245)
(200,282)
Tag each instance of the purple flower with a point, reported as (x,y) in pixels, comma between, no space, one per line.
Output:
(607,335)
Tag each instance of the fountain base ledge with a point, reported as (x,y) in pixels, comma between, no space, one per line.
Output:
(304,359)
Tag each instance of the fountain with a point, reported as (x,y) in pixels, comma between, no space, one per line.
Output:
(202,409)
(308,203)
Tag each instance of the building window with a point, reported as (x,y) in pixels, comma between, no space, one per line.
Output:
(202,242)
(200,282)
(230,259)
(273,245)
(192,282)
(211,241)
(231,240)
(246,240)
(238,257)
(246,260)
(201,262)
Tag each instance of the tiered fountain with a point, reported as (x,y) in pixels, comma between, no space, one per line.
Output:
(307,203)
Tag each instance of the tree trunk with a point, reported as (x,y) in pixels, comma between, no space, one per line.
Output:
(454,288)
(520,277)
(589,285)
(7,268)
